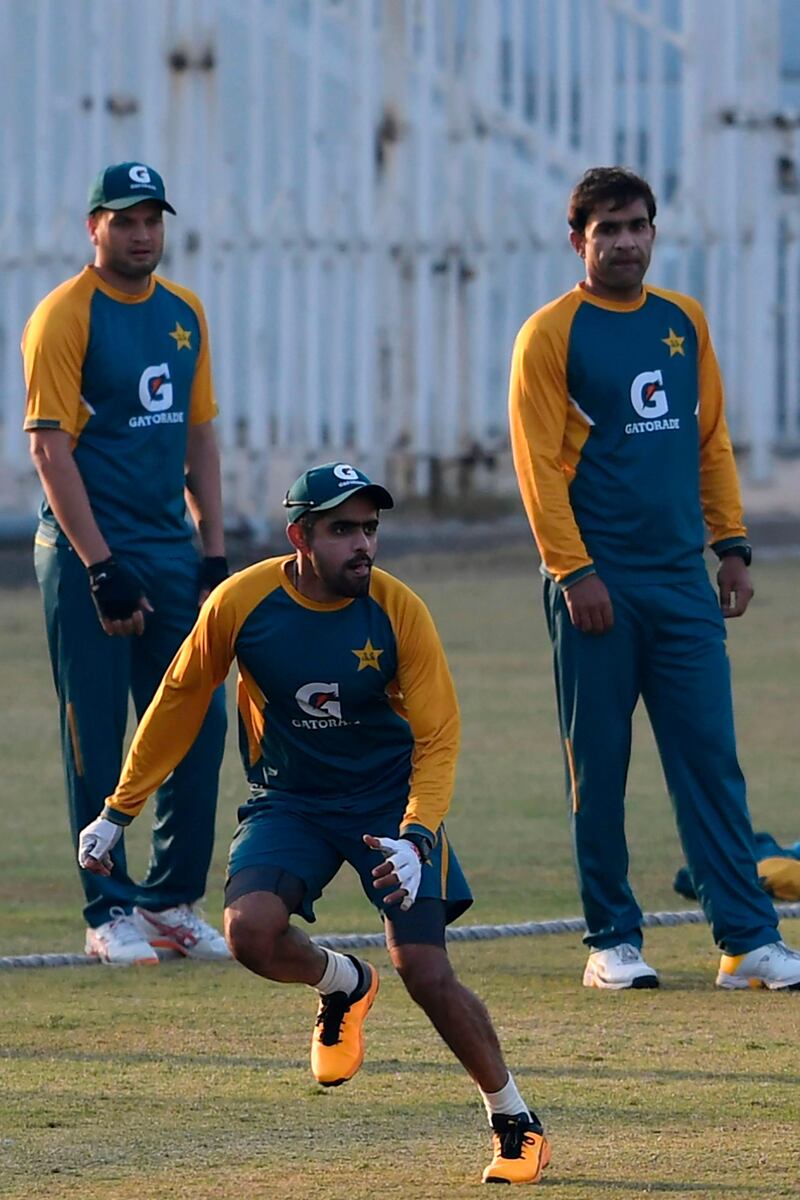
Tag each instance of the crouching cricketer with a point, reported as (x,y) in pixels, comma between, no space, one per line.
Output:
(349,731)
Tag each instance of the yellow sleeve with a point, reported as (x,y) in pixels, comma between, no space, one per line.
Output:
(176,712)
(53,350)
(719,480)
(423,692)
(203,404)
(546,437)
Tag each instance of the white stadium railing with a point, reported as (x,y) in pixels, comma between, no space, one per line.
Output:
(371,198)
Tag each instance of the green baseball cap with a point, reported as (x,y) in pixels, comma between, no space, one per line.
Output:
(329,485)
(124,184)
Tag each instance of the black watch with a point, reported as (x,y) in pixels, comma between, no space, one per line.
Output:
(742,551)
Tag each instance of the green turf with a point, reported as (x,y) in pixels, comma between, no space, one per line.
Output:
(192,1081)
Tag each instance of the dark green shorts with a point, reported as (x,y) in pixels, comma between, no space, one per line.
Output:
(312,848)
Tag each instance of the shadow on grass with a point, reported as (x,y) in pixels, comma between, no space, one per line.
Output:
(616,1187)
(396,1066)
(651,1075)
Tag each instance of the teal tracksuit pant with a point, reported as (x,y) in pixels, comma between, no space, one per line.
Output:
(667,646)
(94,675)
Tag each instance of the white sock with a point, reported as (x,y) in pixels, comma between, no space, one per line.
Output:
(340,975)
(507,1101)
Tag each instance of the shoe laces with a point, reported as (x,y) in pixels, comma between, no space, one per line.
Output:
(628,953)
(196,921)
(193,920)
(122,927)
(332,1011)
(514,1135)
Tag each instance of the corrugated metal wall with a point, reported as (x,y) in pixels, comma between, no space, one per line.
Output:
(371,198)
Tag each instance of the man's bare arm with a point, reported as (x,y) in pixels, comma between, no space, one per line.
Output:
(204,488)
(51,451)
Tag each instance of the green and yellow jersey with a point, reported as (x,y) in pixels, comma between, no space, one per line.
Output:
(619,437)
(124,376)
(342,706)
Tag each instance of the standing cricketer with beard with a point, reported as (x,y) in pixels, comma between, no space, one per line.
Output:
(120,408)
(349,731)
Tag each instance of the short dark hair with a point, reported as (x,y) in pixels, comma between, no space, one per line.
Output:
(600,184)
(307,520)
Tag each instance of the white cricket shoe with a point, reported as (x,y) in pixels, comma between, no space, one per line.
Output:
(773,966)
(183,929)
(119,942)
(617,968)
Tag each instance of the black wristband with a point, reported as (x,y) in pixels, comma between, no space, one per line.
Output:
(422,843)
(742,551)
(213,569)
(115,816)
(116,591)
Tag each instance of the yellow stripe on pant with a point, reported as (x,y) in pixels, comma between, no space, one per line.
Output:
(573,779)
(73,737)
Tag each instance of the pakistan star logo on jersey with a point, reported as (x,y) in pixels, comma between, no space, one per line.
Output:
(183,337)
(368,657)
(675,343)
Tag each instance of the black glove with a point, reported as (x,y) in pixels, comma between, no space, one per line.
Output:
(212,571)
(116,591)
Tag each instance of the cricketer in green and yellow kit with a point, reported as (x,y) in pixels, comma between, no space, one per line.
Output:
(624,461)
(120,404)
(349,732)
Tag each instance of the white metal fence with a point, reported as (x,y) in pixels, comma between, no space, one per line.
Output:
(371,198)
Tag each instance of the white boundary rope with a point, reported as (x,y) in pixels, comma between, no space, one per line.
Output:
(469,933)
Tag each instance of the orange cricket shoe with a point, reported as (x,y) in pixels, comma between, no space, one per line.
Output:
(521,1151)
(337,1044)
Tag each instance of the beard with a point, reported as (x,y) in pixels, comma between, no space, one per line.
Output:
(344,582)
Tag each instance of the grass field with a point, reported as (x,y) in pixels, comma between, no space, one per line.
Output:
(193,1081)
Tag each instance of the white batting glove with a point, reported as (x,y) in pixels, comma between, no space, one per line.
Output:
(407,864)
(97,841)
